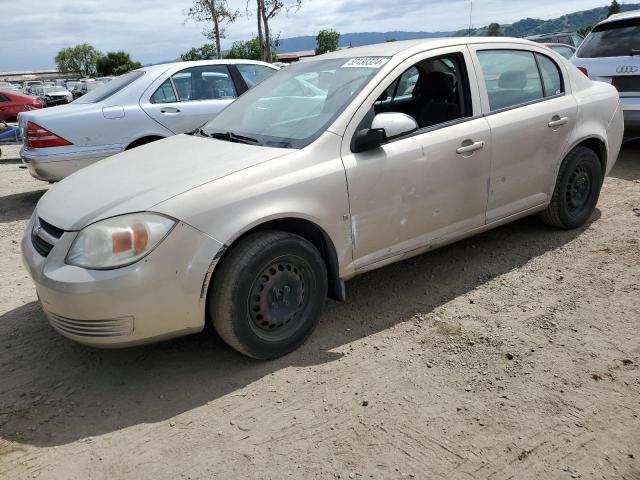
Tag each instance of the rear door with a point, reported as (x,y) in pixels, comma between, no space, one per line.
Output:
(531,113)
(189,98)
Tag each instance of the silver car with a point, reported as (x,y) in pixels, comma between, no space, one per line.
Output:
(131,110)
(611,53)
(331,168)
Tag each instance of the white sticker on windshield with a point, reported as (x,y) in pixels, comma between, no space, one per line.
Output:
(366,62)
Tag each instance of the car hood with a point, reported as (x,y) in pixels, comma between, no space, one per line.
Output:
(140,178)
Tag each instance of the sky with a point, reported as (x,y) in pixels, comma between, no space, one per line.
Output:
(32,31)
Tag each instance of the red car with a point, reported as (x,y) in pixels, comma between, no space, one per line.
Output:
(13,103)
(566,51)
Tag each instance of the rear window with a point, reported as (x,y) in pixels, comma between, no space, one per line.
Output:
(102,91)
(612,39)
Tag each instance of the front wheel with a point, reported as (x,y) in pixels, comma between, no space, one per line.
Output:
(577,190)
(268,293)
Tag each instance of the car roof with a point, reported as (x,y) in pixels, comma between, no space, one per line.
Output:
(621,16)
(556,44)
(200,63)
(550,34)
(389,49)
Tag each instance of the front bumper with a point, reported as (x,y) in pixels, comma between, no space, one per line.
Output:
(54,164)
(161,296)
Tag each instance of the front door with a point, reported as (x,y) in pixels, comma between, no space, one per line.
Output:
(430,184)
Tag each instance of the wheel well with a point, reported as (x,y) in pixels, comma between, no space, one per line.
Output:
(318,238)
(143,141)
(599,148)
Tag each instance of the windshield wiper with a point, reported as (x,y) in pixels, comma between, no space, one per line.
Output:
(232,137)
(635,51)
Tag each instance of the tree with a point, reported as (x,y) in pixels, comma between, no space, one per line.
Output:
(81,59)
(116,63)
(216,13)
(205,52)
(584,31)
(250,49)
(614,8)
(327,41)
(267,10)
(493,30)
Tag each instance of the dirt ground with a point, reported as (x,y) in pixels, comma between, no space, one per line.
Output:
(511,355)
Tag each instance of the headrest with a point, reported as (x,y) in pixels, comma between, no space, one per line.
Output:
(436,86)
(513,79)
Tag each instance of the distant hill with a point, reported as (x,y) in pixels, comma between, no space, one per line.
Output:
(522,28)
(297,44)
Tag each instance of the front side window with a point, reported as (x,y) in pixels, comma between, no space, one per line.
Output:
(210,82)
(433,91)
(293,108)
(612,39)
(254,74)
(3,98)
(551,78)
(164,93)
(511,77)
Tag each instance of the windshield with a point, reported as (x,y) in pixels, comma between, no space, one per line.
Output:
(296,105)
(102,91)
(612,39)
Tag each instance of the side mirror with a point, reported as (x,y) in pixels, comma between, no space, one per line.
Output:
(384,127)
(394,124)
(368,139)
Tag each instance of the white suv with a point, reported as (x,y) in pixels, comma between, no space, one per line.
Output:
(611,53)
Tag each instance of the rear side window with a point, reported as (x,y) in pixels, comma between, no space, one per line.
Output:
(551,78)
(99,92)
(511,77)
(164,93)
(254,74)
(612,39)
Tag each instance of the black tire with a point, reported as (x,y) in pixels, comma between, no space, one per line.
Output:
(577,190)
(268,293)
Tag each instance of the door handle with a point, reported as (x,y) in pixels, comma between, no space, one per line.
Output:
(170,110)
(470,148)
(557,121)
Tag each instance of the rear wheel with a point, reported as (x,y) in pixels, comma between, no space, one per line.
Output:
(577,190)
(268,293)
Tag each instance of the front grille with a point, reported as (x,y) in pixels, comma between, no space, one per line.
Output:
(42,247)
(50,229)
(626,83)
(114,327)
(43,243)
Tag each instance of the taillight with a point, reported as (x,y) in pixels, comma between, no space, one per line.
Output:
(38,137)
(584,70)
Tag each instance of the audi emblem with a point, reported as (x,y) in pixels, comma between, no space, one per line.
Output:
(627,69)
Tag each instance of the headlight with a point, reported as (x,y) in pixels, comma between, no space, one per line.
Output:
(118,241)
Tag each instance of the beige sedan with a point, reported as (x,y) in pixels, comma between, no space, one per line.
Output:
(329,169)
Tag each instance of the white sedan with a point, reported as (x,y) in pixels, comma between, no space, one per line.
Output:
(131,110)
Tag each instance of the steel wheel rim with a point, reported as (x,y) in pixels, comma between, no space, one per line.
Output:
(578,189)
(278,298)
